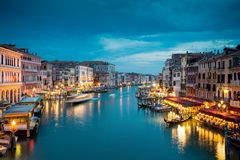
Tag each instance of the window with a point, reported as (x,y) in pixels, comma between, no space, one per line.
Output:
(229,78)
(214,75)
(214,87)
(174,83)
(203,76)
(223,64)
(230,63)
(199,75)
(218,78)
(223,78)
(218,65)
(235,76)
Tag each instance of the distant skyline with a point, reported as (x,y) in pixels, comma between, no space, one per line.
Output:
(135,35)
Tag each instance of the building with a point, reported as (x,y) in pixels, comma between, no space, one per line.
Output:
(64,72)
(10,73)
(192,73)
(103,72)
(84,76)
(167,74)
(46,75)
(31,74)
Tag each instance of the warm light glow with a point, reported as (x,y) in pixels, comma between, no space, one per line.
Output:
(224,106)
(221,102)
(13,123)
(225,91)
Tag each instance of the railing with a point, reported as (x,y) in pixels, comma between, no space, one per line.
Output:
(30,70)
(10,83)
(235,82)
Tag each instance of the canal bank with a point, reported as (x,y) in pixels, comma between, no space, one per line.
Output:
(112,127)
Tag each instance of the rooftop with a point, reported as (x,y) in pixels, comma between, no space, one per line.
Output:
(31,99)
(19,108)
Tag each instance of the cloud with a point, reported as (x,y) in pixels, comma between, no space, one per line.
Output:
(152,61)
(116,44)
(145,57)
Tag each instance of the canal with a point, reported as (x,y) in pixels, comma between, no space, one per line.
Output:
(111,127)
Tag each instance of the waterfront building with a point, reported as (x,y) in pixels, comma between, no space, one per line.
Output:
(228,76)
(46,75)
(31,75)
(176,81)
(167,75)
(10,73)
(179,62)
(207,78)
(103,72)
(192,73)
(64,72)
(84,76)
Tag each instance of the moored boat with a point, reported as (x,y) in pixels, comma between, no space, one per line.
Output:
(79,98)
(176,120)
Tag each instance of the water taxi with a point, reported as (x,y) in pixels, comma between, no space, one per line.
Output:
(79,98)
(23,115)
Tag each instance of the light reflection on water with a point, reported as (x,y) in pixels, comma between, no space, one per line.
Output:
(114,128)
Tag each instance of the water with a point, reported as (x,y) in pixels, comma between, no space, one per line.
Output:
(112,127)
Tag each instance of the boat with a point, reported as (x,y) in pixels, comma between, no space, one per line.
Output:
(23,115)
(79,98)
(3,150)
(103,90)
(176,120)
(161,108)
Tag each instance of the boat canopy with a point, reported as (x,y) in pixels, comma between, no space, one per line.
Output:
(31,99)
(18,110)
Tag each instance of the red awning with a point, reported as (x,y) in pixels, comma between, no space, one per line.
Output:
(235,109)
(223,115)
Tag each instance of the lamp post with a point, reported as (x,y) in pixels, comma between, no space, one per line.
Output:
(13,130)
(34,90)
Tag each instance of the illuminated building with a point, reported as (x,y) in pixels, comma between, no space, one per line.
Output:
(10,73)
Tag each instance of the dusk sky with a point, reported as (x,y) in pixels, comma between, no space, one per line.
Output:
(136,35)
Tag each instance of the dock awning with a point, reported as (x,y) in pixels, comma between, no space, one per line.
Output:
(183,101)
(18,110)
(223,115)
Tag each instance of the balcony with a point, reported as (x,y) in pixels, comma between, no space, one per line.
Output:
(10,84)
(30,70)
(235,82)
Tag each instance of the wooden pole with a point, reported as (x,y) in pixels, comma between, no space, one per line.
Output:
(28,127)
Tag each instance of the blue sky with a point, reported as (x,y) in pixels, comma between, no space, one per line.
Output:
(136,35)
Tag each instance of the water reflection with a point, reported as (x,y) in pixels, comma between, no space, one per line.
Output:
(192,134)
(99,127)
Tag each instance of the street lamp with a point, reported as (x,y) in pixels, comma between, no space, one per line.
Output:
(13,130)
